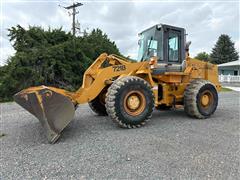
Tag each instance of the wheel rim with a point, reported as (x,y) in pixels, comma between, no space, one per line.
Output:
(206,99)
(134,103)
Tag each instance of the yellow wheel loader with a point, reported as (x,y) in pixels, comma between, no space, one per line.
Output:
(164,77)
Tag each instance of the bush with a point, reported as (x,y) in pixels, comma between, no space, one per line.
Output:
(50,57)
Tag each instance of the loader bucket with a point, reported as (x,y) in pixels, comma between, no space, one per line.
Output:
(53,109)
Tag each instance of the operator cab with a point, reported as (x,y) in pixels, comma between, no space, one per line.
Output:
(165,42)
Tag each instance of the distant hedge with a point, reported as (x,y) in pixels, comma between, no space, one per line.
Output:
(51,57)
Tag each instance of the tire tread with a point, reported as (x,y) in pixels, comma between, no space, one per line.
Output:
(111,95)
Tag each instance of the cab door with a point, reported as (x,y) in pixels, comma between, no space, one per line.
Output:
(173,46)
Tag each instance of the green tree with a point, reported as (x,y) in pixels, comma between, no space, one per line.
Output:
(202,56)
(224,50)
(51,57)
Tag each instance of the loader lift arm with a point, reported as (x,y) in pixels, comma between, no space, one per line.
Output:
(97,77)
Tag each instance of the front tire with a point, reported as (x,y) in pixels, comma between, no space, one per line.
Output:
(130,101)
(200,99)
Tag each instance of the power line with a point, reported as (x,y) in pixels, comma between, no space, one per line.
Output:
(74,12)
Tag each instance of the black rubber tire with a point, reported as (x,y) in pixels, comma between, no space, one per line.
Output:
(192,101)
(115,99)
(98,106)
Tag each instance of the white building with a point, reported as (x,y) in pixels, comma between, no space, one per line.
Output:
(230,68)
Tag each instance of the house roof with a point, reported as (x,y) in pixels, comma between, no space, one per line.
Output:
(233,63)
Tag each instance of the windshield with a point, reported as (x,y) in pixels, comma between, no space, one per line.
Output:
(150,44)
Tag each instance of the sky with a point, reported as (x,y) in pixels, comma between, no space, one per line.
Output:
(122,20)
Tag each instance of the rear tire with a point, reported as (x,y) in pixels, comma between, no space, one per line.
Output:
(98,104)
(200,99)
(130,101)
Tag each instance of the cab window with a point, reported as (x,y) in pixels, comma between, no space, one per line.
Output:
(173,47)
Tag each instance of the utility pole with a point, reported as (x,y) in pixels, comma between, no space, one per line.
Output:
(74,12)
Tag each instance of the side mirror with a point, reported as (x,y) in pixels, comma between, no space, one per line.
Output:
(187,45)
(139,42)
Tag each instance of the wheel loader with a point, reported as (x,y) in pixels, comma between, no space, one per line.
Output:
(164,77)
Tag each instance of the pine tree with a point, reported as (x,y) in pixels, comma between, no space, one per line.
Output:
(224,51)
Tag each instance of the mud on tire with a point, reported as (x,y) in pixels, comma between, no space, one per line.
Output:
(130,101)
(200,99)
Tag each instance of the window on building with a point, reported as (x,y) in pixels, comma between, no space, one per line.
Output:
(235,73)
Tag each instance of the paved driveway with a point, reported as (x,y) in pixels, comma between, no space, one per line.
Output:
(171,145)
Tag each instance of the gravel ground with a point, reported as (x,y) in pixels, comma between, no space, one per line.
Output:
(170,146)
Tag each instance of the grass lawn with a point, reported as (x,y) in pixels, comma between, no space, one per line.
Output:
(225,89)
